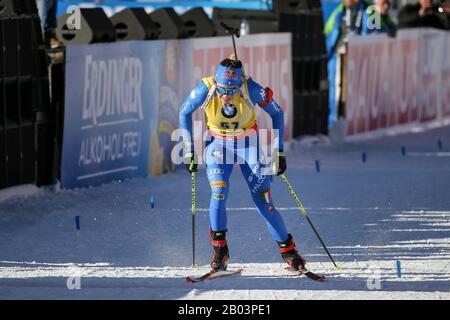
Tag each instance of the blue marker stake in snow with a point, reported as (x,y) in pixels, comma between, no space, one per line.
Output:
(364,157)
(152,201)
(399,269)
(403,151)
(77,222)
(440,144)
(317,165)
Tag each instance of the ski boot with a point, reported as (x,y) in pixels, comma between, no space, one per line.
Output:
(290,255)
(219,260)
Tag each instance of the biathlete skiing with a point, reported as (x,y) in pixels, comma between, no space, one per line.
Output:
(229,99)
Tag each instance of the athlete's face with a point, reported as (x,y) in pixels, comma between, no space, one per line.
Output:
(226,93)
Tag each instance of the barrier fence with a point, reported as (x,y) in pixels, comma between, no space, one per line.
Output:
(398,85)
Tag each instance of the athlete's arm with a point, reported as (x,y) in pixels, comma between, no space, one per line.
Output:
(263,97)
(192,103)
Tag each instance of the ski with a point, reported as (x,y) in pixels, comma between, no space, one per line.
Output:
(213,275)
(309,274)
(218,274)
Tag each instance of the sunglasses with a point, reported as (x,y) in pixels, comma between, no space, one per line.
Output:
(227,91)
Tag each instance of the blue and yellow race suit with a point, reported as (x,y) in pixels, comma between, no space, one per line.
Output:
(233,128)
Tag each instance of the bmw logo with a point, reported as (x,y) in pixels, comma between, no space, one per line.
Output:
(229,110)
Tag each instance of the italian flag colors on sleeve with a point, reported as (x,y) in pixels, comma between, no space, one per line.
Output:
(265,195)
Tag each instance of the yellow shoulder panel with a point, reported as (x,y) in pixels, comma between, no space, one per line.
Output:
(209,81)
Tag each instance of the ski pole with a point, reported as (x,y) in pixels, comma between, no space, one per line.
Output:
(233,32)
(303,211)
(194,264)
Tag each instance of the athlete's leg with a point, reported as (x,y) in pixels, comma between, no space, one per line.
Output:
(218,172)
(253,166)
(260,189)
(259,186)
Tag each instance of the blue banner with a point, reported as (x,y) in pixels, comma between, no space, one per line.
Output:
(111,106)
(113,6)
(173,70)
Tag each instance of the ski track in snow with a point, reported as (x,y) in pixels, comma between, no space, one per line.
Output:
(370,215)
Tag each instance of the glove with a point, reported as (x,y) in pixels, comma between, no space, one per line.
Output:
(279,162)
(190,159)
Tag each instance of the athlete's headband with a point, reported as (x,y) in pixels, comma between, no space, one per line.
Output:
(229,76)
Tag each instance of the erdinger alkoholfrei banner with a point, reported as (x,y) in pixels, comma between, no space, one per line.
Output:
(397,85)
(111,101)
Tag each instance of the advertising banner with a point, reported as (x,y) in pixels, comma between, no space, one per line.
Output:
(170,98)
(397,85)
(110,102)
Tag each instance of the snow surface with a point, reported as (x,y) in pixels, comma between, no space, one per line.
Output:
(370,215)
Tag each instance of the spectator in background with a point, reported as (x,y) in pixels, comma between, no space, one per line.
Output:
(47,13)
(345,20)
(444,8)
(386,24)
(422,14)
